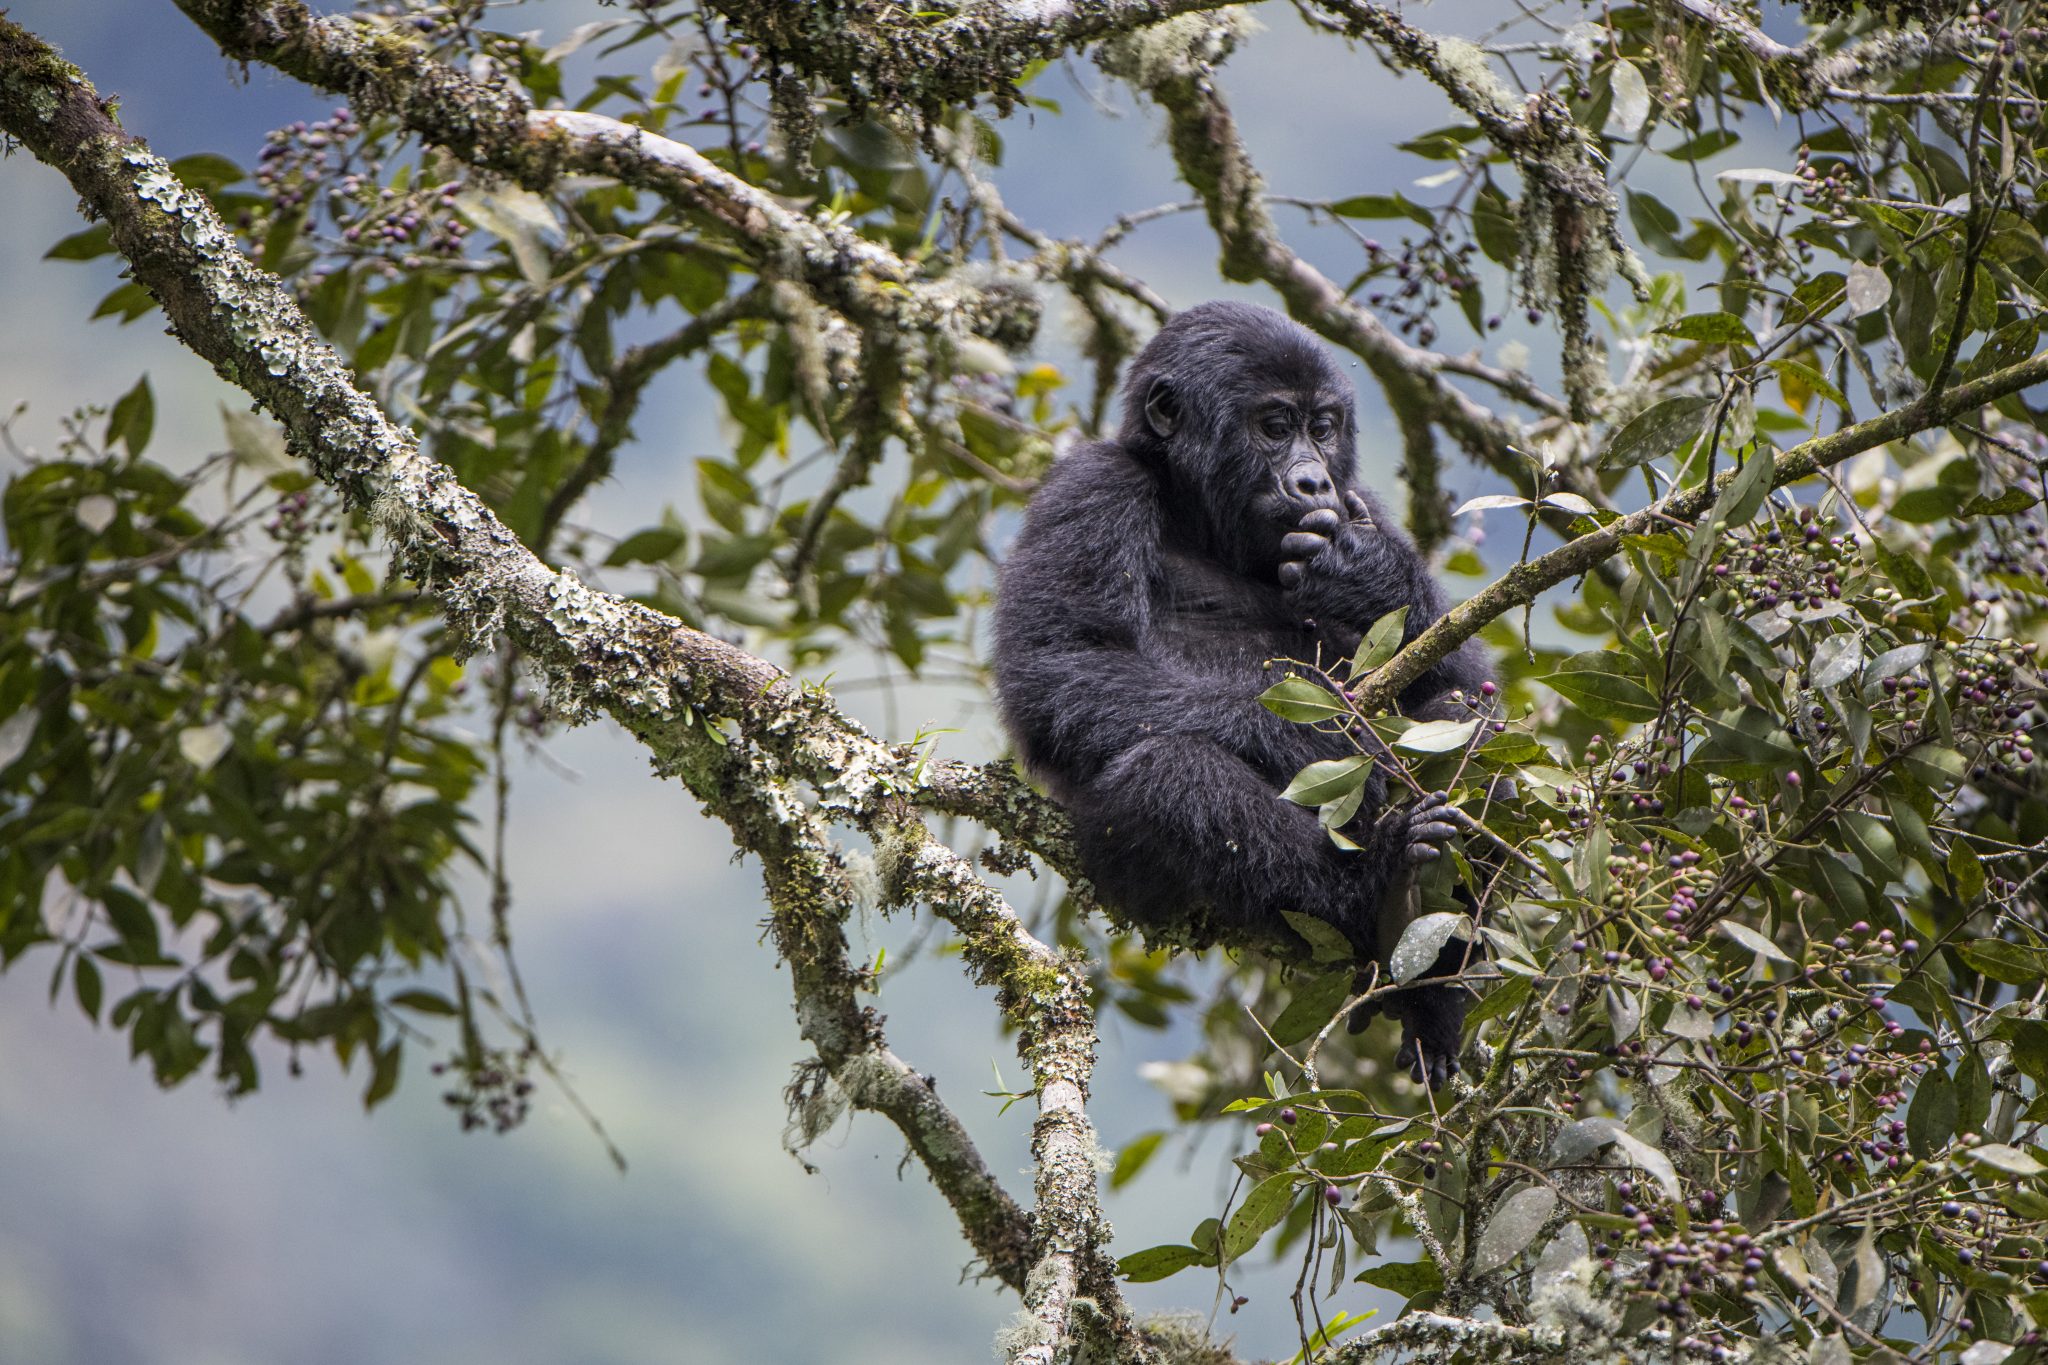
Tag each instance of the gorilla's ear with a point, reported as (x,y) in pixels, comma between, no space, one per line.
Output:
(1162,408)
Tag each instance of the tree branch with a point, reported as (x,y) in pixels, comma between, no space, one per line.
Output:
(877,52)
(493,126)
(1213,160)
(666,684)
(624,387)
(1526,580)
(1807,76)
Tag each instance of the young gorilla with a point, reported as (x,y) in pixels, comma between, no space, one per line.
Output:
(1155,575)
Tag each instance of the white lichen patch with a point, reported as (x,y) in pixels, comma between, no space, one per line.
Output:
(1186,45)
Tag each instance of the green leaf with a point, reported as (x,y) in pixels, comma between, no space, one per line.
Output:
(1381,642)
(1931,1118)
(133,417)
(1793,373)
(1709,143)
(85,981)
(425,1002)
(1437,736)
(1870,839)
(1314,1004)
(1261,1211)
(1494,227)
(2002,961)
(1330,780)
(1973,1091)
(2005,504)
(128,302)
(1420,943)
(1383,206)
(1719,329)
(1605,686)
(1650,1159)
(1835,660)
(1296,698)
(1326,942)
(1409,1279)
(1744,494)
(1935,765)
(1156,1263)
(95,241)
(1490,502)
(207,171)
(1132,1159)
(384,1073)
(1966,875)
(650,546)
(2010,1160)
(1658,430)
(1513,1227)
(1744,936)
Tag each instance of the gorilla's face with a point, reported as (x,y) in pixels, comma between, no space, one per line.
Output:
(1251,422)
(1293,438)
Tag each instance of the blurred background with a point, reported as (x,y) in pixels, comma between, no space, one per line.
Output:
(144,1226)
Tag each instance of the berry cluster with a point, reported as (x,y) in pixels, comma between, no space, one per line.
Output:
(320,166)
(1768,567)
(1422,272)
(491,1088)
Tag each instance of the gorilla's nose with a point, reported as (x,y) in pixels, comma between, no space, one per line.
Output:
(1312,483)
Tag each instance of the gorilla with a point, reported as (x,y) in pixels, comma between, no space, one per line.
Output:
(1155,576)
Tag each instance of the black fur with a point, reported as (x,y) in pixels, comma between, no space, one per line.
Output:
(1136,613)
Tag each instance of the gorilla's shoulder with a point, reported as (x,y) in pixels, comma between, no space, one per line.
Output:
(1100,477)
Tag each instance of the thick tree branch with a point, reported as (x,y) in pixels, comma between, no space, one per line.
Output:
(1213,160)
(1568,211)
(881,52)
(811,899)
(1807,75)
(1526,580)
(381,67)
(599,654)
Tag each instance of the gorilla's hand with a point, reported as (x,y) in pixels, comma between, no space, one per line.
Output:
(1313,534)
(1432,822)
(1432,1024)
(1432,1019)
(1310,537)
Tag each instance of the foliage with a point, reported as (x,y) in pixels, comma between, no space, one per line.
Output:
(1758,1066)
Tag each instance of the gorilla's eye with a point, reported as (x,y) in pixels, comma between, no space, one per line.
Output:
(1323,428)
(1276,425)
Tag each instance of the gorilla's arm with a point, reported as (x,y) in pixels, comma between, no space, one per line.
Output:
(1347,574)
(1083,672)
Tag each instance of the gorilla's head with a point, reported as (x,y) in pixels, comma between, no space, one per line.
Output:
(1252,422)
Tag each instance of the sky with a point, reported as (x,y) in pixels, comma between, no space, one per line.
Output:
(173,1228)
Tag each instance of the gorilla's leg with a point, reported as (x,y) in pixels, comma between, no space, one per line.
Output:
(1432,1016)
(1174,821)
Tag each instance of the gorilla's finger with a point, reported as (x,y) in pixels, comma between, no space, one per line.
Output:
(1323,521)
(1290,573)
(1362,1017)
(1359,510)
(1424,853)
(1405,1055)
(1303,544)
(1434,831)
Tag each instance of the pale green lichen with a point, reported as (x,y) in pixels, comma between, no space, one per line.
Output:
(1187,45)
(1468,64)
